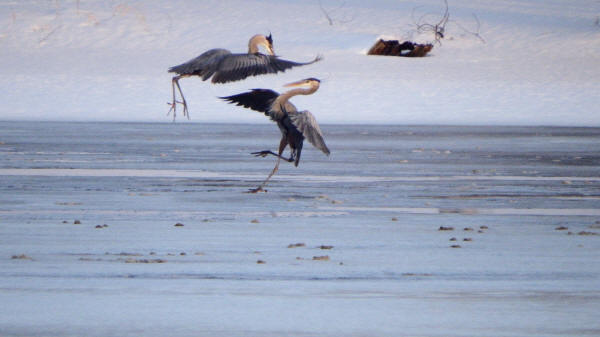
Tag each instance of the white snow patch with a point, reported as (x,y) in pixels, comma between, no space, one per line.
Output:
(98,60)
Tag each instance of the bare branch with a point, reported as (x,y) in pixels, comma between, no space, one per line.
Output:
(329,16)
(326,14)
(57,19)
(43,39)
(474,33)
(438,29)
(423,25)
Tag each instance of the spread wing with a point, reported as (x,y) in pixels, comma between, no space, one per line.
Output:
(262,100)
(204,65)
(257,99)
(308,126)
(235,67)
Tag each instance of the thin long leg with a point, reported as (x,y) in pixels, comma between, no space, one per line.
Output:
(282,144)
(173,104)
(268,152)
(185,109)
(264,183)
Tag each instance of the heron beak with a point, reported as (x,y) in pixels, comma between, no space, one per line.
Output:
(270,50)
(295,84)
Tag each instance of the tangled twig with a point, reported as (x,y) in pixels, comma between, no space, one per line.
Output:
(438,29)
(474,33)
(329,18)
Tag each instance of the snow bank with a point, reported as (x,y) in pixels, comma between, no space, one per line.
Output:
(98,60)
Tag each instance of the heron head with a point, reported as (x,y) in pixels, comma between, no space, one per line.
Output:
(261,40)
(270,39)
(268,44)
(311,81)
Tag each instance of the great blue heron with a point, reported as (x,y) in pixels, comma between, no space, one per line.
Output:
(294,125)
(223,66)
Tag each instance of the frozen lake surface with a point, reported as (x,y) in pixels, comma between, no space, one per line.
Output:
(348,245)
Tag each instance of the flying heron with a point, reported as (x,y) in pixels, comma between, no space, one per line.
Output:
(223,66)
(294,125)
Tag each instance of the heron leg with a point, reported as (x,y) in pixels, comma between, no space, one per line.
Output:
(183,102)
(264,183)
(173,104)
(268,152)
(282,144)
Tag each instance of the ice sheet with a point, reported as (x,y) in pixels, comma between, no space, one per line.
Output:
(331,249)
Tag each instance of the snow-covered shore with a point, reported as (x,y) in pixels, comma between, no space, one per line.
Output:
(98,60)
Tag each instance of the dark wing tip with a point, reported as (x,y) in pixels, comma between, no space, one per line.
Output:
(256,99)
(175,69)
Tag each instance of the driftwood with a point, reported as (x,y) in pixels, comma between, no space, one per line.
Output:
(394,48)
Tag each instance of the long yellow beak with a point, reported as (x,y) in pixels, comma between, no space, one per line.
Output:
(296,84)
(270,50)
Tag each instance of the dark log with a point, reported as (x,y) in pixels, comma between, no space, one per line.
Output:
(394,48)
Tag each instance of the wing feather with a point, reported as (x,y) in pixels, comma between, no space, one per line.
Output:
(257,99)
(308,126)
(235,67)
(204,65)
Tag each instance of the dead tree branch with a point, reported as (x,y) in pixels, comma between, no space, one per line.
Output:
(475,33)
(326,14)
(44,38)
(329,17)
(438,29)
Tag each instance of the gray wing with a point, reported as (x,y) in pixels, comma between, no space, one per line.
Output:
(308,126)
(256,99)
(204,65)
(261,100)
(235,67)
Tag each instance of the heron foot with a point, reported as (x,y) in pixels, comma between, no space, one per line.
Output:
(262,153)
(267,152)
(173,108)
(256,190)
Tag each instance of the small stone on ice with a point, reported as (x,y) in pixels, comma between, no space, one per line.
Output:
(21,257)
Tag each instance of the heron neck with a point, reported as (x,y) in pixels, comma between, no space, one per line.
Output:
(253,44)
(283,98)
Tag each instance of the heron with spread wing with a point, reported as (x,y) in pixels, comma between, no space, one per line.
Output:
(224,66)
(295,126)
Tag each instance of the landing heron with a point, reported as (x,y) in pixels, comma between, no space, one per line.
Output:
(295,126)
